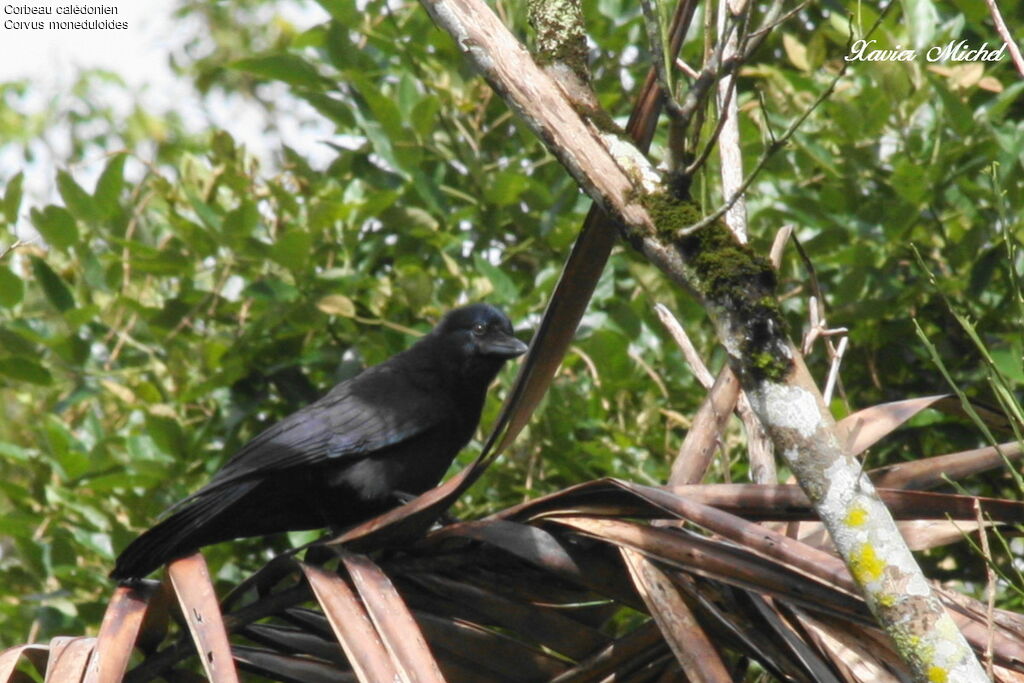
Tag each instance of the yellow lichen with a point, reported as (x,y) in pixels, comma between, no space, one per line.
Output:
(856,517)
(867,566)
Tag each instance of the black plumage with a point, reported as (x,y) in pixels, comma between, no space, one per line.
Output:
(388,433)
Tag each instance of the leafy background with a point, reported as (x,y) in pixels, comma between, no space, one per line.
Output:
(182,295)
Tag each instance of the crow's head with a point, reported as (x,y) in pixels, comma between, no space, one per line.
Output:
(480,336)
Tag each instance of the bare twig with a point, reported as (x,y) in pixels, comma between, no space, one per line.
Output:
(715,67)
(727,135)
(686,68)
(818,327)
(654,36)
(833,371)
(759,446)
(781,237)
(1004,33)
(990,585)
(700,370)
(14,245)
(772,19)
(710,144)
(769,152)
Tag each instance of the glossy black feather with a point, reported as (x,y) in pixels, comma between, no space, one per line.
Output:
(389,432)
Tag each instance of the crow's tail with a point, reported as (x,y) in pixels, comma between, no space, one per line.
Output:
(191,527)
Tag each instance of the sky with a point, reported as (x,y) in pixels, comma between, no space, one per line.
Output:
(50,59)
(46,56)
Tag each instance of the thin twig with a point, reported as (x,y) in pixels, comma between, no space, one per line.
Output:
(700,370)
(990,585)
(769,152)
(833,372)
(653,25)
(686,68)
(1004,33)
(715,67)
(122,337)
(777,144)
(759,445)
(772,19)
(781,237)
(710,144)
(14,245)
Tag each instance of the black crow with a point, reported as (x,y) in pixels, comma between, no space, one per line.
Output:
(372,442)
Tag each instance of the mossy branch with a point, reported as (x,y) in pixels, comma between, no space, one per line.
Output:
(736,288)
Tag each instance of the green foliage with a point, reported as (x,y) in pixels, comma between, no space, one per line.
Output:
(193,297)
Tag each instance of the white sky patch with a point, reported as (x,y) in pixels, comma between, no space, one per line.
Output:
(49,60)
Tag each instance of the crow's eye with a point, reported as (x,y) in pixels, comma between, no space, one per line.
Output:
(479,329)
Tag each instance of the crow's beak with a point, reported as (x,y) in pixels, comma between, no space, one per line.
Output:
(502,345)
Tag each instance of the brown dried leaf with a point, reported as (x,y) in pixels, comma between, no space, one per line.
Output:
(616,656)
(929,473)
(69,658)
(37,654)
(693,649)
(724,562)
(288,668)
(448,597)
(399,631)
(362,644)
(291,640)
(191,581)
(485,654)
(858,657)
(542,549)
(867,427)
(118,632)
(788,501)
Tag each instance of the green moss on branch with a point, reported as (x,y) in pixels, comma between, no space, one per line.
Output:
(730,276)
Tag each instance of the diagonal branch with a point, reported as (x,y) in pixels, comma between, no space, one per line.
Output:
(737,291)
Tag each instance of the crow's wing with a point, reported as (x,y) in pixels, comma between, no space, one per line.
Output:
(377,409)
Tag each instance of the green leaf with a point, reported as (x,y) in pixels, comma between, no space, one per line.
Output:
(504,288)
(383,109)
(292,249)
(56,225)
(342,10)
(796,52)
(1008,361)
(272,290)
(78,201)
(12,289)
(956,112)
(290,69)
(166,434)
(241,221)
(332,108)
(10,451)
(53,285)
(505,188)
(337,304)
(12,197)
(922,20)
(424,115)
(206,213)
(25,369)
(108,188)
(983,269)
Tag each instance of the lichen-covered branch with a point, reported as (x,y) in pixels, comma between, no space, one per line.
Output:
(562,47)
(737,288)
